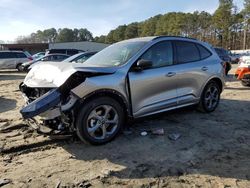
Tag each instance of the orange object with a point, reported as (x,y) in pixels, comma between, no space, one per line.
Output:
(241,71)
(243,74)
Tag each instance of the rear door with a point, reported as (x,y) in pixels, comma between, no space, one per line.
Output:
(192,70)
(154,89)
(21,57)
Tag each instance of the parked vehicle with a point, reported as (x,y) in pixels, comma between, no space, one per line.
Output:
(243,71)
(51,57)
(129,79)
(80,58)
(13,59)
(235,58)
(69,52)
(224,55)
(38,55)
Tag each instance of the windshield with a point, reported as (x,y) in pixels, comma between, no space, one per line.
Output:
(116,54)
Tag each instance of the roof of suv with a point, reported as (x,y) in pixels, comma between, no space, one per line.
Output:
(151,38)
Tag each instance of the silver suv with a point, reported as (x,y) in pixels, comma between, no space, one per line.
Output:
(13,59)
(129,79)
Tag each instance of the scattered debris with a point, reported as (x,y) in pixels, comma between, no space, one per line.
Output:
(85,184)
(158,131)
(174,136)
(7,159)
(4,182)
(144,133)
(72,157)
(58,184)
(4,124)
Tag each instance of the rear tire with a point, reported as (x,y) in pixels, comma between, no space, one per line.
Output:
(210,97)
(100,121)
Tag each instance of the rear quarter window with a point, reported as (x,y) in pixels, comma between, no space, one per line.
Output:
(204,53)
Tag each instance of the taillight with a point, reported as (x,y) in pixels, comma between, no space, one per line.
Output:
(30,58)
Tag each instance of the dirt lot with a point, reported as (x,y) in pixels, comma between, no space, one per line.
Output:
(213,151)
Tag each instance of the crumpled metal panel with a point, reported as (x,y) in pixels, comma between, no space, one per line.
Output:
(42,104)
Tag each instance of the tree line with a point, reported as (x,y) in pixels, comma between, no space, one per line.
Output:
(227,27)
(60,35)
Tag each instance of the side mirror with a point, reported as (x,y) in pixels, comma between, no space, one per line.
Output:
(143,64)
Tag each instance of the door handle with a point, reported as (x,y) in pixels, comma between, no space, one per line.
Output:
(204,68)
(170,74)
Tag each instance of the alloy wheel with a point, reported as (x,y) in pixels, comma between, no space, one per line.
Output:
(212,97)
(102,122)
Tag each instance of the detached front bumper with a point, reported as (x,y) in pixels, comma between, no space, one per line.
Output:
(42,104)
(48,110)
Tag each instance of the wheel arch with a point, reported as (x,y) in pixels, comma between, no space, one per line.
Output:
(108,93)
(215,79)
(18,64)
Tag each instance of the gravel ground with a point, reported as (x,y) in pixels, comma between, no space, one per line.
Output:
(213,150)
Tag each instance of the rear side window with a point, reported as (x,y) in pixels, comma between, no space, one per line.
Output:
(57,51)
(2,55)
(7,55)
(47,58)
(58,57)
(186,52)
(72,52)
(20,55)
(204,53)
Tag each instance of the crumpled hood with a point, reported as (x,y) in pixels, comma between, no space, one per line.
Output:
(54,74)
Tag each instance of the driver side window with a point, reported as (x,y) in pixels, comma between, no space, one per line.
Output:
(161,54)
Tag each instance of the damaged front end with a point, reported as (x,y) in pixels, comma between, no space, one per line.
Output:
(51,110)
(50,102)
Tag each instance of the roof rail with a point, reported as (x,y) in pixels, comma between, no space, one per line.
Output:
(162,36)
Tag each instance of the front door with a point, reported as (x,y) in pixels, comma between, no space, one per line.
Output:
(154,89)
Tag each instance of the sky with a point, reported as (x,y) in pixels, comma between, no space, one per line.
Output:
(22,17)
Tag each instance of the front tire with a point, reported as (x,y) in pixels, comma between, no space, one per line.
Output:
(19,67)
(100,121)
(210,97)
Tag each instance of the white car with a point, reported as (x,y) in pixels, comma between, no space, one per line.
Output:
(13,59)
(245,60)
